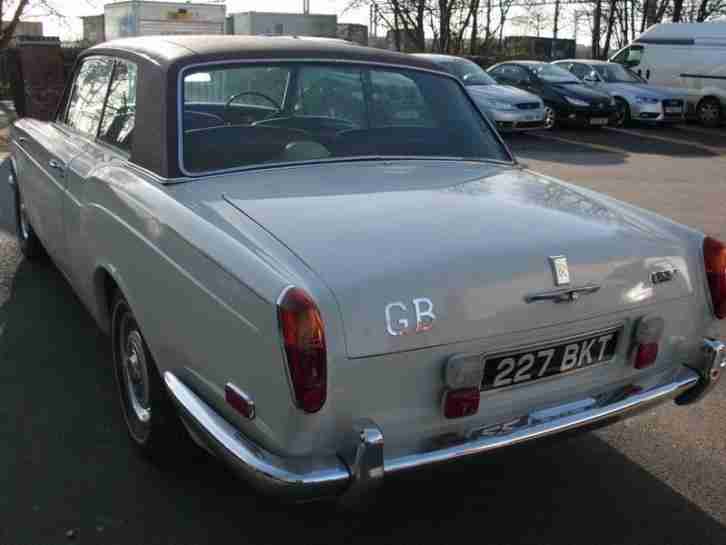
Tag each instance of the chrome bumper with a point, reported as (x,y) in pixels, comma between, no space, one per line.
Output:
(360,468)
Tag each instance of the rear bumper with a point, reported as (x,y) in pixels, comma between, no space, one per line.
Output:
(360,467)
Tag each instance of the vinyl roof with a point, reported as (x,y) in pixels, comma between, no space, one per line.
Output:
(187,49)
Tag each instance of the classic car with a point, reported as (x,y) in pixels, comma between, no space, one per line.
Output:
(510,108)
(568,101)
(322,262)
(635,99)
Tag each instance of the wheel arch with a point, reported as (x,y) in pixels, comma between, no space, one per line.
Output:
(106,282)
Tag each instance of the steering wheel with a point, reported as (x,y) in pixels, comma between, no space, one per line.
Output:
(272,101)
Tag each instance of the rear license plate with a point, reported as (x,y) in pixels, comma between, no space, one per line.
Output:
(599,121)
(527,365)
(673,110)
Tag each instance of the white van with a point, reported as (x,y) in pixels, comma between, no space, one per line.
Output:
(688,56)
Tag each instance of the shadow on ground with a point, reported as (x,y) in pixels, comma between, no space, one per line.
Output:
(68,465)
(598,147)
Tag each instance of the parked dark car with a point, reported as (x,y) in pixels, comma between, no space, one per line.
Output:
(567,100)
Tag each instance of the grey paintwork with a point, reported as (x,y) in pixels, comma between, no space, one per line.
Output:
(630,92)
(203,262)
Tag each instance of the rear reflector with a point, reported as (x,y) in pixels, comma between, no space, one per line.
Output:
(239,401)
(714,257)
(462,402)
(645,355)
(303,336)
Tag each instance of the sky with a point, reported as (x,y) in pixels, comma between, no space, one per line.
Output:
(68,27)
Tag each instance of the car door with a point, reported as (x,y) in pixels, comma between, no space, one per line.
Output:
(47,149)
(111,145)
(78,123)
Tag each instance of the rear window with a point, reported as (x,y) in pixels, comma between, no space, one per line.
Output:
(256,114)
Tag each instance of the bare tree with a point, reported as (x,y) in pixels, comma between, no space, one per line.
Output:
(8,30)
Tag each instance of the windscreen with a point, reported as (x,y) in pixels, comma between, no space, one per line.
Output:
(554,74)
(255,114)
(615,73)
(468,72)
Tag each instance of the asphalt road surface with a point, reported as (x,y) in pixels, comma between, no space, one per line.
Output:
(68,474)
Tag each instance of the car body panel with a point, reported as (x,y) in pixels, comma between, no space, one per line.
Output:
(685,57)
(203,261)
(555,95)
(652,111)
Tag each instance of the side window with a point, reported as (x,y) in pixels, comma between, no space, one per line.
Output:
(580,70)
(629,56)
(502,73)
(518,75)
(119,116)
(88,94)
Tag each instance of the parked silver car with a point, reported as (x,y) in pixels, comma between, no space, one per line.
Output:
(326,261)
(635,99)
(511,109)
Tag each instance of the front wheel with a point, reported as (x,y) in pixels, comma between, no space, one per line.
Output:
(709,112)
(622,113)
(151,419)
(550,118)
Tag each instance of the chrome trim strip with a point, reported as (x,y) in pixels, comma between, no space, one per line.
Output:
(304,479)
(297,479)
(528,432)
(562,295)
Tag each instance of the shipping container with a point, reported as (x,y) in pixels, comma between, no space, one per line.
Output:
(136,18)
(289,24)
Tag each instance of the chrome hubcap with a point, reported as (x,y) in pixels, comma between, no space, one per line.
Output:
(549,117)
(136,376)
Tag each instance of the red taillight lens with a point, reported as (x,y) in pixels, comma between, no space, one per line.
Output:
(647,335)
(303,336)
(461,402)
(645,355)
(714,257)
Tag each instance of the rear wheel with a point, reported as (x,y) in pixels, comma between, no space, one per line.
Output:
(709,112)
(27,239)
(150,417)
(622,113)
(550,117)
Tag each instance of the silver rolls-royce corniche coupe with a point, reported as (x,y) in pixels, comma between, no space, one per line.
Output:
(323,263)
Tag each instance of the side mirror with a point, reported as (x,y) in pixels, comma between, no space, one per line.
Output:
(591,78)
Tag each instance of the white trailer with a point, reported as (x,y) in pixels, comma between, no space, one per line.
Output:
(687,56)
(141,18)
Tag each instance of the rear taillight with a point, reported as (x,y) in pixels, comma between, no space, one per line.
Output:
(303,336)
(714,258)
(648,332)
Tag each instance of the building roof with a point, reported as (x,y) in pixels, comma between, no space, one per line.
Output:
(189,49)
